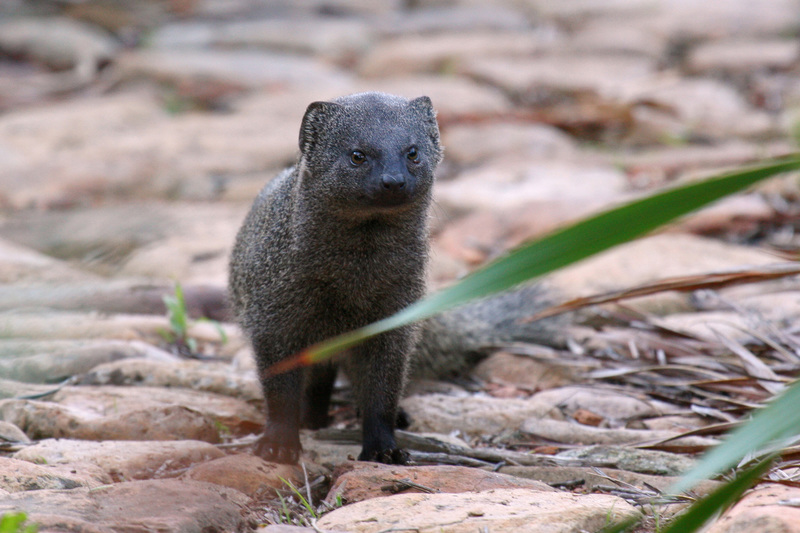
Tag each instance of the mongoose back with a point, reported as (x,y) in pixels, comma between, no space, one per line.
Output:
(333,243)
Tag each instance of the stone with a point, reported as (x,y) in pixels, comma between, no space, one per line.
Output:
(500,510)
(43,420)
(591,481)
(355,482)
(682,108)
(652,258)
(19,264)
(433,54)
(219,378)
(118,296)
(246,473)
(17,476)
(624,39)
(518,183)
(611,404)
(61,43)
(527,372)
(155,505)
(235,415)
(742,56)
(238,69)
(11,433)
(653,462)
(551,77)
(471,415)
(122,460)
(573,433)
(337,38)
(18,389)
(37,361)
(768,508)
(132,413)
(128,146)
(454,97)
(82,326)
(475,144)
(453,19)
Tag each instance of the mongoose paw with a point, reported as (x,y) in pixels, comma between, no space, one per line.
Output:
(271,450)
(393,456)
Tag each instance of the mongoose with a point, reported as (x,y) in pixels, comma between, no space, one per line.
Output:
(333,243)
(341,240)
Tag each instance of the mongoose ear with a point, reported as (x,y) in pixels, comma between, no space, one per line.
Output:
(424,107)
(317,114)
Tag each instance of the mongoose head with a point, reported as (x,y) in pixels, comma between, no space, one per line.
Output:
(369,153)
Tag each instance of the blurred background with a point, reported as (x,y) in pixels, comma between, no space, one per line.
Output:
(134,134)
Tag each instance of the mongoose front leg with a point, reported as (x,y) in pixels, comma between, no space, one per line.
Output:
(280,442)
(381,365)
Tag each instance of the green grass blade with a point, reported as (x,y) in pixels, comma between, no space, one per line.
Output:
(561,248)
(703,510)
(779,420)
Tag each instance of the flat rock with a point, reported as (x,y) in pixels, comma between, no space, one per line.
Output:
(122,460)
(682,108)
(219,378)
(769,508)
(117,296)
(82,326)
(500,510)
(17,476)
(11,433)
(246,473)
(527,372)
(564,432)
(518,183)
(19,264)
(156,505)
(132,413)
(743,56)
(43,420)
(471,415)
(151,243)
(610,404)
(629,39)
(475,144)
(128,146)
(652,462)
(592,481)
(61,43)
(338,38)
(432,54)
(246,69)
(652,258)
(16,389)
(235,414)
(453,18)
(355,482)
(454,97)
(554,76)
(37,361)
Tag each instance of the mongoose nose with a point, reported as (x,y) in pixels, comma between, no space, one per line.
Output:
(393,183)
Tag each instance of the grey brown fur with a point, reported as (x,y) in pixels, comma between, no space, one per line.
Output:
(336,242)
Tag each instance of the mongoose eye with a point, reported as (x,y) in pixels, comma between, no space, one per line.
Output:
(413,154)
(357,158)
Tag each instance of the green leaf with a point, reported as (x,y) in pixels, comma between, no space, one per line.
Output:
(13,523)
(779,420)
(556,250)
(715,503)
